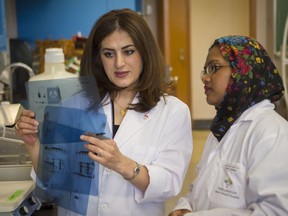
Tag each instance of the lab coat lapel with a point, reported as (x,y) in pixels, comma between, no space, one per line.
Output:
(131,124)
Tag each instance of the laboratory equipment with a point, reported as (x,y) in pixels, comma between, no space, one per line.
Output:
(16,185)
(6,75)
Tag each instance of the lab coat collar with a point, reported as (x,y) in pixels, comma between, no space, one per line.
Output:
(248,115)
(132,123)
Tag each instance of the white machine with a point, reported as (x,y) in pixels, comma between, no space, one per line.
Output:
(16,185)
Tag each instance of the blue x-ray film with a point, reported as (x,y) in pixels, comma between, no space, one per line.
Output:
(64,169)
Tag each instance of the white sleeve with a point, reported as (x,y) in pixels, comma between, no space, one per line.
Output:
(167,172)
(183,202)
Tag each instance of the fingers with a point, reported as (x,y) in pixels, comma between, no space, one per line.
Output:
(28,113)
(98,148)
(26,122)
(28,117)
(95,151)
(100,152)
(179,212)
(92,144)
(94,141)
(175,213)
(26,127)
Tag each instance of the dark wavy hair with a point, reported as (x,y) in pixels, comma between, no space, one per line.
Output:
(150,82)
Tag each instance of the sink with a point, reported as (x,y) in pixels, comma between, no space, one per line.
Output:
(15,159)
(15,162)
(15,172)
(15,167)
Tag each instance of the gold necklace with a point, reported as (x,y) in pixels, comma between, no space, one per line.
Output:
(123,111)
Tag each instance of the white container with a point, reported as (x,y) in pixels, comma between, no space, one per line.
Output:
(54,66)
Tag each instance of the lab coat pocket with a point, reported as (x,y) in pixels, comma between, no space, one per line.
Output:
(229,190)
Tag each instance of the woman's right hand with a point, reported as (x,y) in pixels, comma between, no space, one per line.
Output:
(26,127)
(179,212)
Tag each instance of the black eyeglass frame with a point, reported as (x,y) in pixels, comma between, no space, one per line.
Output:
(211,68)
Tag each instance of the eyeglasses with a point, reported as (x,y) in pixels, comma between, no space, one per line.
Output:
(210,69)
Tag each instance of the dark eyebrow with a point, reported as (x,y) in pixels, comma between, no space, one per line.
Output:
(128,46)
(104,49)
(125,47)
(213,61)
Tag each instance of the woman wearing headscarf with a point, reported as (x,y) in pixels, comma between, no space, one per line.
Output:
(243,169)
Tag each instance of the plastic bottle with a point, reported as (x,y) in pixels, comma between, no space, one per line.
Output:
(54,67)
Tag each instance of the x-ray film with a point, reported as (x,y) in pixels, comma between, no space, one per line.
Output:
(65,109)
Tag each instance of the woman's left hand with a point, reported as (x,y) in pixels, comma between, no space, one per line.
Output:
(106,152)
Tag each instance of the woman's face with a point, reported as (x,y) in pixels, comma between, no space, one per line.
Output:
(121,60)
(215,84)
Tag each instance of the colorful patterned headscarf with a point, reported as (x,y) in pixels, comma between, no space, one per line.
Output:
(254,78)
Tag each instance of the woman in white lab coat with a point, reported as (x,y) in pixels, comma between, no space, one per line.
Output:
(243,169)
(145,162)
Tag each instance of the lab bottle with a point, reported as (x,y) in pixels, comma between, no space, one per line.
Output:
(54,67)
(52,86)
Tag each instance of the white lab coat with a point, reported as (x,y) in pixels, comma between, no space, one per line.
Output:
(246,172)
(160,139)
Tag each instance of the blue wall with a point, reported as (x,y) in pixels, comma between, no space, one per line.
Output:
(61,19)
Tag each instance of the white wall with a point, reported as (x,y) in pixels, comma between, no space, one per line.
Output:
(261,20)
(209,20)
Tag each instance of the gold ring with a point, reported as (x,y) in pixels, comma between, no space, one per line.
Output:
(100,152)
(16,126)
